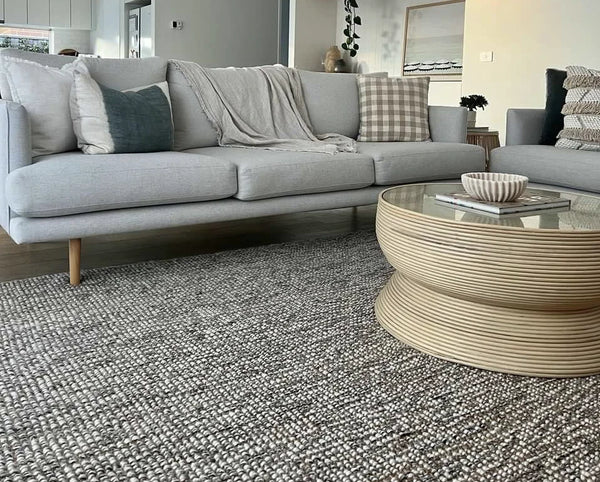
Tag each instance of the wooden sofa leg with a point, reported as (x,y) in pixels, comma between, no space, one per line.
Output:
(75,261)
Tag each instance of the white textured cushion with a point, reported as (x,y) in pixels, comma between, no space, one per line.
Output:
(44,92)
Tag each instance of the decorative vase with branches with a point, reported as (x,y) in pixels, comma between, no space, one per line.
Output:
(352,20)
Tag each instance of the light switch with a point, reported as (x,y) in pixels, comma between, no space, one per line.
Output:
(486,56)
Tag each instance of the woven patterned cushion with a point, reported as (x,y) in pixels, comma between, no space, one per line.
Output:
(582,110)
(393,109)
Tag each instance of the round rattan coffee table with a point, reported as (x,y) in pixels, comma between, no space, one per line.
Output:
(518,294)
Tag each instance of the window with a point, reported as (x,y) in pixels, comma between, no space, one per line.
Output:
(25,39)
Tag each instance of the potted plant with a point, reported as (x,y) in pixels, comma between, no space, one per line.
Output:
(473,102)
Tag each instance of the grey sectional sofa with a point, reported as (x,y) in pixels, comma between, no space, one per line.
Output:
(70,196)
(543,164)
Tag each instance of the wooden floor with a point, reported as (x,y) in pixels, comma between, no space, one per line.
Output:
(26,261)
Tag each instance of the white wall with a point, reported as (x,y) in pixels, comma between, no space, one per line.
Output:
(313,26)
(69,39)
(382,43)
(526,37)
(106,28)
(218,33)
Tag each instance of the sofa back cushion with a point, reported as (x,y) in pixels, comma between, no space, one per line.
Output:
(332,102)
(119,74)
(192,129)
(123,74)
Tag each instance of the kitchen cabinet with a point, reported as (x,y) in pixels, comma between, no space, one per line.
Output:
(38,13)
(15,12)
(81,14)
(60,13)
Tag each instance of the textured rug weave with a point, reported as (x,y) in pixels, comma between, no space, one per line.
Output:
(263,364)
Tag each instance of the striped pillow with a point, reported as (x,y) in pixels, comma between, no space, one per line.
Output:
(393,109)
(581,110)
(109,121)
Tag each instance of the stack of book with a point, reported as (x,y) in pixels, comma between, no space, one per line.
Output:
(528,202)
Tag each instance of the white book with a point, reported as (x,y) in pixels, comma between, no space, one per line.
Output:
(527,202)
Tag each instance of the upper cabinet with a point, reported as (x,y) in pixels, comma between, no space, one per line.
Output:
(60,13)
(81,14)
(75,14)
(38,13)
(15,12)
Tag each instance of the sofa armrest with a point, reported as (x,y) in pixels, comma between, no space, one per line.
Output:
(15,151)
(448,124)
(524,126)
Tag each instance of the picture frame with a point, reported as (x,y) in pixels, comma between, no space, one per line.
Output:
(433,40)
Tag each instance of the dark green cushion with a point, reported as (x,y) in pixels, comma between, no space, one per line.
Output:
(139,121)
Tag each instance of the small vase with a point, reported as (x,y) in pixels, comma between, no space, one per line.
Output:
(340,66)
(471,118)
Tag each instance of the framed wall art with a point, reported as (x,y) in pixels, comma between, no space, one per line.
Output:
(433,40)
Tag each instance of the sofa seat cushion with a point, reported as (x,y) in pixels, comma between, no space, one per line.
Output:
(266,173)
(550,165)
(73,183)
(406,162)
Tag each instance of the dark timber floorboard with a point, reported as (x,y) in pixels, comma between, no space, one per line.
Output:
(26,261)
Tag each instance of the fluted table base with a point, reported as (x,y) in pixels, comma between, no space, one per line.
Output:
(510,340)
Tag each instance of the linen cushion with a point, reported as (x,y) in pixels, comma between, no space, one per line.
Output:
(264,173)
(555,100)
(47,107)
(582,110)
(393,109)
(108,121)
(406,162)
(192,128)
(56,61)
(116,181)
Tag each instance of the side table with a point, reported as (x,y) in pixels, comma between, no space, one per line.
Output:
(487,139)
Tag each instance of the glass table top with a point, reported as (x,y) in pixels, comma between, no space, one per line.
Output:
(583,215)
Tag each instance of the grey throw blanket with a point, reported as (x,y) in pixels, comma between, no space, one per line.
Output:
(259,107)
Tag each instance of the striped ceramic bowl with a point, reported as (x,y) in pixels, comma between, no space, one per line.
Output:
(494,186)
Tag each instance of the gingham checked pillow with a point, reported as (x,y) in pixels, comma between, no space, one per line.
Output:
(393,109)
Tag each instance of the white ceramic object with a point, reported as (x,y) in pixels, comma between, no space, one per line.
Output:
(494,186)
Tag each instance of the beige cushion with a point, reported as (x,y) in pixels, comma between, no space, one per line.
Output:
(44,92)
(393,109)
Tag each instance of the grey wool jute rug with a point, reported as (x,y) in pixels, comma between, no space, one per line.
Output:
(263,364)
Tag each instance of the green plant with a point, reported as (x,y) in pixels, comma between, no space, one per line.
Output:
(473,101)
(352,20)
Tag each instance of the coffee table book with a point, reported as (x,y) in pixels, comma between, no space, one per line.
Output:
(526,203)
